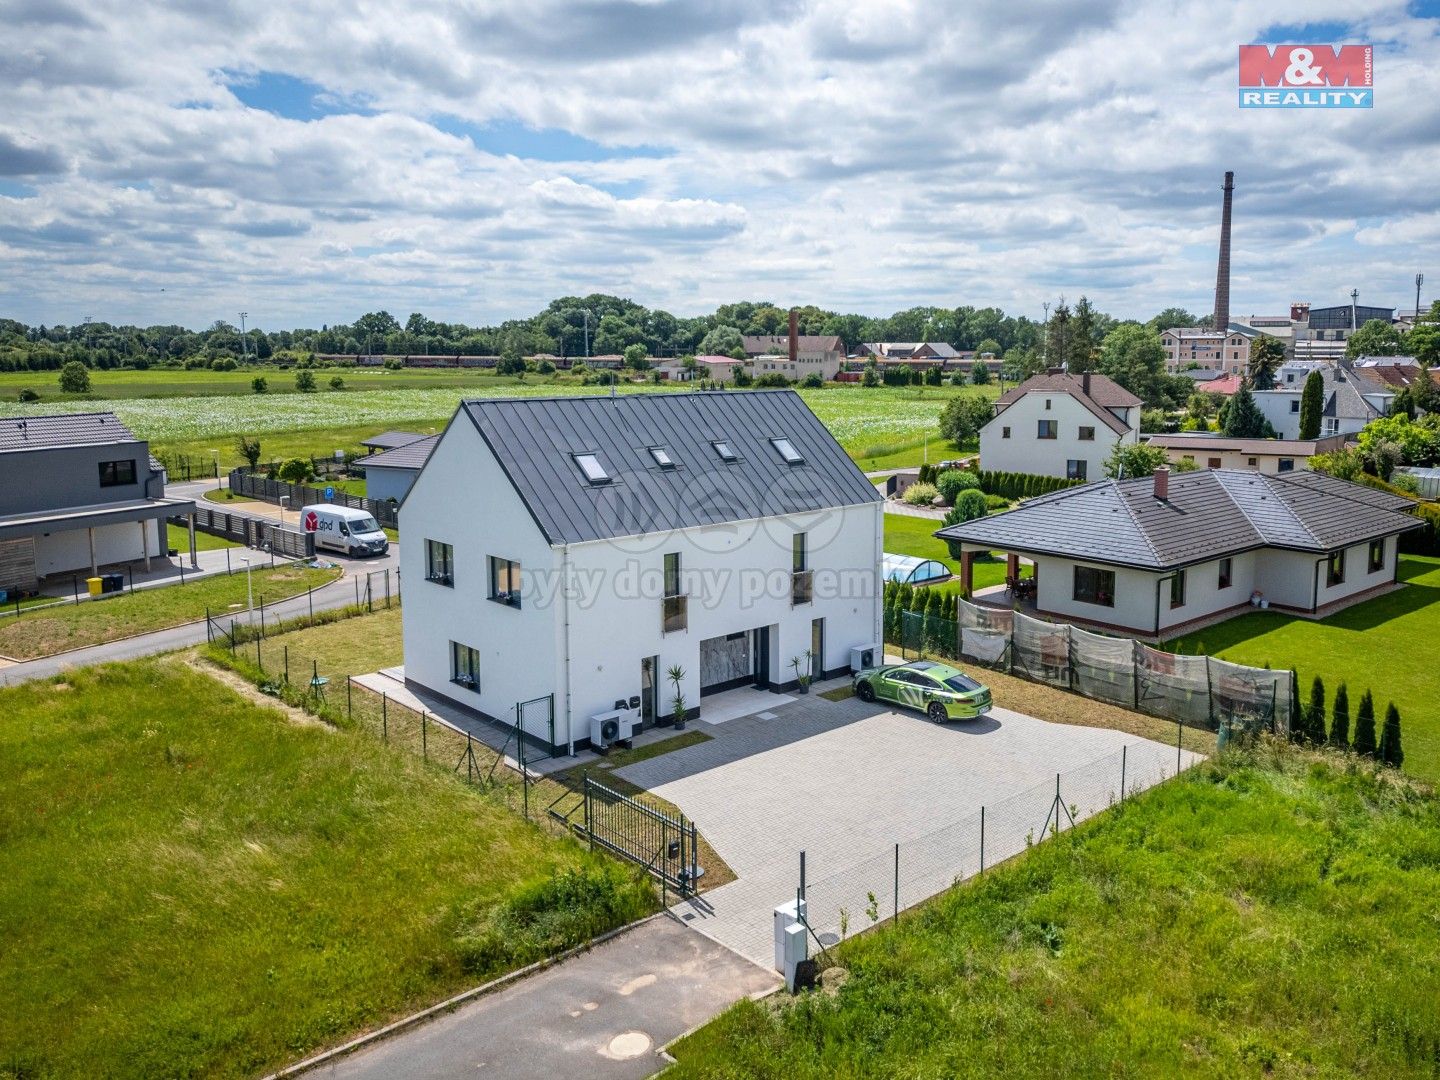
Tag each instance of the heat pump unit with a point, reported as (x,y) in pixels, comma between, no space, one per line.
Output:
(604,730)
(629,721)
(865,656)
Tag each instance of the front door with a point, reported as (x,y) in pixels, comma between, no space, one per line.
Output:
(817,649)
(649,687)
(760,651)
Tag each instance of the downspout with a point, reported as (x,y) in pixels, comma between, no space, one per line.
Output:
(565,659)
(1315,584)
(1158,582)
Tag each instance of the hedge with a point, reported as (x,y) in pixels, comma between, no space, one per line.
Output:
(1012,485)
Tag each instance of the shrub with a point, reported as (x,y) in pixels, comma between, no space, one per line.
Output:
(1405,482)
(952,482)
(294,471)
(26,394)
(545,367)
(971,505)
(773,379)
(813,381)
(996,502)
(921,494)
(259,385)
(222,363)
(394,364)
(305,381)
(1391,752)
(75,378)
(337,383)
(1340,720)
(1365,743)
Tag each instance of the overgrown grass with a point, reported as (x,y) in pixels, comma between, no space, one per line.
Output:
(1378,646)
(73,626)
(193,885)
(1266,914)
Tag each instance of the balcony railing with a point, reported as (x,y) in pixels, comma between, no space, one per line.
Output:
(673,613)
(802,587)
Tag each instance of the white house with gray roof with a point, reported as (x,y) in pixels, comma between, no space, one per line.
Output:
(78,492)
(389,474)
(1156,556)
(577,549)
(1057,424)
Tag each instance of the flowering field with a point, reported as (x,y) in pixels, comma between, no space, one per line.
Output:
(861,419)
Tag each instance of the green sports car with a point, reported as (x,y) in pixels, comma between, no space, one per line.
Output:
(942,691)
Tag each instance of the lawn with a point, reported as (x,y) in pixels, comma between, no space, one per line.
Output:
(73,626)
(1378,646)
(178,538)
(353,646)
(195,885)
(1259,916)
(908,535)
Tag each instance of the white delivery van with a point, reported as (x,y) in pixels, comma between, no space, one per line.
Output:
(343,529)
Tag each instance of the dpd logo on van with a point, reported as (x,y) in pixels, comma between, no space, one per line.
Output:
(312,521)
(1307,76)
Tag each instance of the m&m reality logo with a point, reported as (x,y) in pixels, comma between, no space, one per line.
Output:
(1307,76)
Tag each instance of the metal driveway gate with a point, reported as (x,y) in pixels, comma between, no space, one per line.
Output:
(665,845)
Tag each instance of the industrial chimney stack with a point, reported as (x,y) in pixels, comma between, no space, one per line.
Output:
(1222,274)
(794,337)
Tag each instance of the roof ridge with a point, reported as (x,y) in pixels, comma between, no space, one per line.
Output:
(1135,521)
(1268,480)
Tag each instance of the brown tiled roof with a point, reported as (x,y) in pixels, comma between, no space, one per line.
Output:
(759,344)
(1104,395)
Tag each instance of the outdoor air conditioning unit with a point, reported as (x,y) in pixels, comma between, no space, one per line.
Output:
(865,656)
(617,725)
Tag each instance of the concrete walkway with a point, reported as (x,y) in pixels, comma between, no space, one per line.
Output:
(603,1014)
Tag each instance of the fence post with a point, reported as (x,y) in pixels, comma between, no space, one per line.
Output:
(1123,750)
(424,744)
(262,615)
(310,596)
(349,711)
(982,839)
(469,760)
(357,592)
(75,585)
(1179,730)
(315,677)
(209,634)
(232,639)
(287,665)
(227,562)
(802,875)
(384,717)
(387,588)
(259,660)
(897,883)
(589,827)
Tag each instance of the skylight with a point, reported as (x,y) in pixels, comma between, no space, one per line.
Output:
(723,449)
(591,467)
(788,452)
(662,457)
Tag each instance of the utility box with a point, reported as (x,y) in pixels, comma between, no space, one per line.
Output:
(786,915)
(797,951)
(866,656)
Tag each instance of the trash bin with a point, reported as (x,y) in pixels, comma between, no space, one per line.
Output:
(95,585)
(113,582)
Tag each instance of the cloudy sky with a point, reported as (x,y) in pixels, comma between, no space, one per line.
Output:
(308,162)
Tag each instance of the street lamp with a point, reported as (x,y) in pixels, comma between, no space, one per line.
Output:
(249,592)
(284,505)
(215,454)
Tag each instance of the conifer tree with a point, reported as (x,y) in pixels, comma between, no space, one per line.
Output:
(1340,720)
(1315,713)
(1391,752)
(1365,726)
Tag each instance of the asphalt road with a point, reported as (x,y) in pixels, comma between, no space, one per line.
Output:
(603,1014)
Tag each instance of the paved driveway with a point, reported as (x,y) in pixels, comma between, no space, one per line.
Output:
(845,781)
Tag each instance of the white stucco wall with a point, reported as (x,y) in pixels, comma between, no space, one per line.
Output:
(62,552)
(382,483)
(1264,463)
(1134,606)
(1280,407)
(1025,452)
(737,578)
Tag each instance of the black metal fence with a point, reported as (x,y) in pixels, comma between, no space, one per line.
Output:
(665,845)
(254,486)
(1197,691)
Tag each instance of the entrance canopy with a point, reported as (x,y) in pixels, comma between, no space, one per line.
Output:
(909,570)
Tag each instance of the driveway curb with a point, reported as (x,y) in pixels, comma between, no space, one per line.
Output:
(450,1004)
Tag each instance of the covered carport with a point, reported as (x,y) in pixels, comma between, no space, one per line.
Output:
(34,545)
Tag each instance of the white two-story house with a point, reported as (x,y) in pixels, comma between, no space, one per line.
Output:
(1056,424)
(576,550)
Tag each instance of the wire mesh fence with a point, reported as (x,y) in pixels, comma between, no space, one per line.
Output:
(1196,691)
(850,900)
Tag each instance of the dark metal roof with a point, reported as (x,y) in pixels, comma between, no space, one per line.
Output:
(410,456)
(1208,515)
(535,440)
(72,429)
(390,440)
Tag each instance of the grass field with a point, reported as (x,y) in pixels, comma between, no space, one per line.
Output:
(907,535)
(880,426)
(178,538)
(1260,916)
(1380,645)
(73,626)
(195,885)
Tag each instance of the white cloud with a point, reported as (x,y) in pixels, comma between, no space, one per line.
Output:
(859,156)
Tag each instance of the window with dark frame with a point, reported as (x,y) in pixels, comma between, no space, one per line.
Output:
(117,473)
(1177,589)
(1075,469)
(1377,556)
(674,614)
(1004,433)
(1225,574)
(464,666)
(801,580)
(504,581)
(439,563)
(1047,429)
(1286,465)
(1087,433)
(1335,569)
(1094,585)
(1212,463)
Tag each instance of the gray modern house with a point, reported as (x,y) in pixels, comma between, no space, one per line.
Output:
(389,474)
(77,493)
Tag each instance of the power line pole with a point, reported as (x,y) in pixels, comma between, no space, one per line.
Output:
(1419,280)
(244,348)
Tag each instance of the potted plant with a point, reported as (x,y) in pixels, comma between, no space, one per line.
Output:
(801,664)
(676,674)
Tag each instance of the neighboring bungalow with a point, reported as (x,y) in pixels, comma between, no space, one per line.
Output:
(1351,401)
(672,370)
(1193,345)
(1210,451)
(79,492)
(1155,556)
(617,539)
(390,440)
(1210,381)
(388,475)
(719,368)
(769,353)
(1056,424)
(1391,373)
